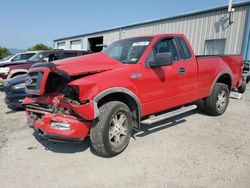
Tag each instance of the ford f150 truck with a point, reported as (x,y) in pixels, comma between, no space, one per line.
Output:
(108,94)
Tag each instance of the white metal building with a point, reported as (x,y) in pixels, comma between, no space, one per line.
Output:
(211,32)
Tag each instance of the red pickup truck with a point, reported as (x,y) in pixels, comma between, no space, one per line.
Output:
(108,94)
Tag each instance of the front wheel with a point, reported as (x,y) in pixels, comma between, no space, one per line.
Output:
(216,104)
(111,131)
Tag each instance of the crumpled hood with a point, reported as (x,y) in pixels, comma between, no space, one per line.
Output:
(86,64)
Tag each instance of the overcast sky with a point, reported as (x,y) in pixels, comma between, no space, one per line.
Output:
(24,23)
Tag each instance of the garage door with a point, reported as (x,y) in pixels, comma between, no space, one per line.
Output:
(215,47)
(61,45)
(76,44)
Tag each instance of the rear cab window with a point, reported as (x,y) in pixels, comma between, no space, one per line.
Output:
(183,48)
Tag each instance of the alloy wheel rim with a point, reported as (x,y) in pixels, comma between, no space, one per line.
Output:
(221,100)
(118,129)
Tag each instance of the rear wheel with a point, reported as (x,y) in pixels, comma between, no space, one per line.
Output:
(247,79)
(216,104)
(111,131)
(243,86)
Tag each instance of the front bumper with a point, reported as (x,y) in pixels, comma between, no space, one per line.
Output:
(14,102)
(41,122)
(14,98)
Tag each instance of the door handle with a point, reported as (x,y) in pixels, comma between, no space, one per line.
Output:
(182,70)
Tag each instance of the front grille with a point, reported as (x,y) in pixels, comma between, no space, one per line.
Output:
(40,107)
(42,80)
(33,82)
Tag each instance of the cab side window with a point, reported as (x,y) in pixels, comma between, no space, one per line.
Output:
(52,57)
(65,55)
(165,45)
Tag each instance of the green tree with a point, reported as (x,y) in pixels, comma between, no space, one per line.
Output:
(4,52)
(39,47)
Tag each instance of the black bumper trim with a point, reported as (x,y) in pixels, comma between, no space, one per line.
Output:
(58,138)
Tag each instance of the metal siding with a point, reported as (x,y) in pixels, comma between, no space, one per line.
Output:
(85,43)
(246,44)
(198,28)
(67,44)
(76,44)
(60,45)
(110,37)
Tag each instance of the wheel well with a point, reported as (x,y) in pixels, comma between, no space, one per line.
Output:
(225,79)
(126,99)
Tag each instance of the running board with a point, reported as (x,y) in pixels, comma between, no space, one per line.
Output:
(167,115)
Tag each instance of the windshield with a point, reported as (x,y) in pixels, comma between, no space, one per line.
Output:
(128,51)
(8,57)
(37,56)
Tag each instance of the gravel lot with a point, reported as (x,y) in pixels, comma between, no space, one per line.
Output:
(192,150)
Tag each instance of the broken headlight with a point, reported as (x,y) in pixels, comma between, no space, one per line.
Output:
(19,86)
(4,70)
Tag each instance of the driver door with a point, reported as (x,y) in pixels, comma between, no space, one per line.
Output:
(161,89)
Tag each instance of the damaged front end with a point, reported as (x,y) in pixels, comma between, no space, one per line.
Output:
(54,109)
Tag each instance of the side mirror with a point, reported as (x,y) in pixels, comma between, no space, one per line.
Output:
(162,59)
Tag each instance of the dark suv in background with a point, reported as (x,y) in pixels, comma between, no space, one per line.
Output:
(15,87)
(12,69)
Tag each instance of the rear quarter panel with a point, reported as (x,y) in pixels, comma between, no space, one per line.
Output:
(210,68)
(235,63)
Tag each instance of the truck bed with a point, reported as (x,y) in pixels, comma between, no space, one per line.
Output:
(217,63)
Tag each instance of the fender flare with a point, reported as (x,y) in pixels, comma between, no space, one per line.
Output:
(12,72)
(217,78)
(116,90)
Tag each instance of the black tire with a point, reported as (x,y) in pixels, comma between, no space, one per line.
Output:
(216,104)
(16,108)
(103,128)
(247,79)
(243,86)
